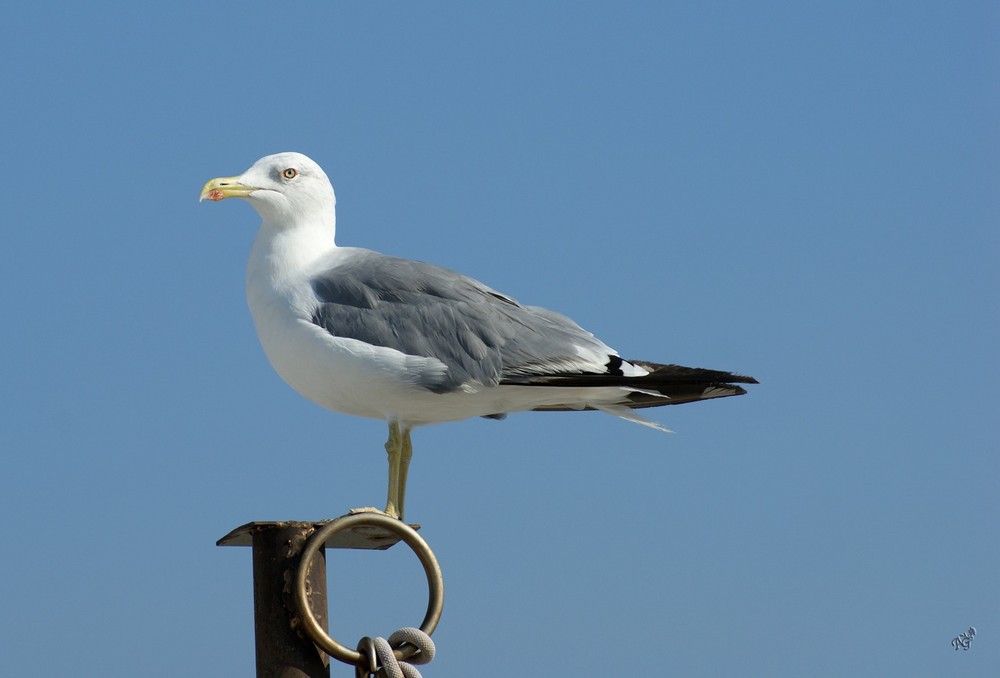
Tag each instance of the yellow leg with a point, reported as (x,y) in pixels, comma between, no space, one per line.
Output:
(400,451)
(405,454)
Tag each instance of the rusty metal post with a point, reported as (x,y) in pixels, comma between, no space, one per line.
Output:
(282,650)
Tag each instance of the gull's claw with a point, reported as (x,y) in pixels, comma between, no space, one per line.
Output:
(372,509)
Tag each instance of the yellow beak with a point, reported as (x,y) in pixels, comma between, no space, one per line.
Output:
(225,187)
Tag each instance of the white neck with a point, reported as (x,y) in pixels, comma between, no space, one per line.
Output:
(279,253)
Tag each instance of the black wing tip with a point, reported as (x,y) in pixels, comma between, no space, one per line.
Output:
(675,384)
(682,374)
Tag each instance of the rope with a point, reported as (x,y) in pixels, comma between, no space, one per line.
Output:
(394,668)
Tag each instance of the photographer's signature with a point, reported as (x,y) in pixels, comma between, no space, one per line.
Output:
(964,641)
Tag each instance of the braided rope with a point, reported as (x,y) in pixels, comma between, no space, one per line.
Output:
(394,668)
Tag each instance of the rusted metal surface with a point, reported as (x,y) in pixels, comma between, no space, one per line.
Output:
(360,537)
(283,651)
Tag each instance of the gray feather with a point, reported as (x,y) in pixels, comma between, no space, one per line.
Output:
(423,310)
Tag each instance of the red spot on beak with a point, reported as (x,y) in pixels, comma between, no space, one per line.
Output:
(215,195)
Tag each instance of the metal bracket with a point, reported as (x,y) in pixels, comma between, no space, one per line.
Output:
(289,582)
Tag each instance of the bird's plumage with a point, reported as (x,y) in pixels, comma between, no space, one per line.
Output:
(483,337)
(373,335)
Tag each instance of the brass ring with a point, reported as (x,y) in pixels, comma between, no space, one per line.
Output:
(435,582)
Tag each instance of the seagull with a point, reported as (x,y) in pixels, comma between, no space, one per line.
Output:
(373,335)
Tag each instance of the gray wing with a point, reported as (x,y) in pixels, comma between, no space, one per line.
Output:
(424,310)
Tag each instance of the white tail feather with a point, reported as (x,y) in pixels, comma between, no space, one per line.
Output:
(630,415)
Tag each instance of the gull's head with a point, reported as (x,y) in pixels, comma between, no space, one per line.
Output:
(287,189)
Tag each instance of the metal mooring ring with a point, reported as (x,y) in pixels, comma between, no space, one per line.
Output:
(435,582)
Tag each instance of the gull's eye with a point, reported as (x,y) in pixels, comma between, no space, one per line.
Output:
(290,173)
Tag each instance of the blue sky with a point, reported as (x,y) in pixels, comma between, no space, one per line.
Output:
(804,192)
